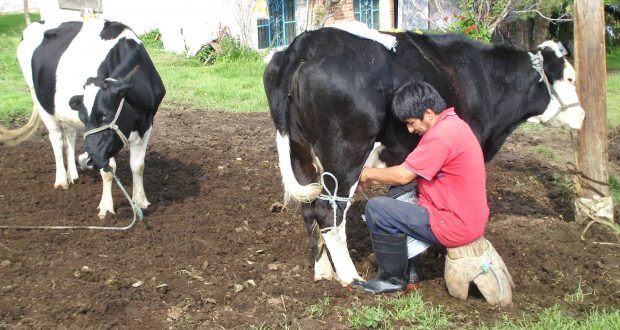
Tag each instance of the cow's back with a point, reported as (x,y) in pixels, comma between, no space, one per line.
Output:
(65,57)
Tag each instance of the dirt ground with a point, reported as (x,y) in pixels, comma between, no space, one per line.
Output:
(217,257)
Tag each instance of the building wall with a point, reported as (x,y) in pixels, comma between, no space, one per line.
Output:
(185,25)
(17,6)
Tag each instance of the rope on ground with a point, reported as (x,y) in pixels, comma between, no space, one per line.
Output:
(588,210)
(137,215)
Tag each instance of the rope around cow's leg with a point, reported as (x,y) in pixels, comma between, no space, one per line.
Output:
(137,214)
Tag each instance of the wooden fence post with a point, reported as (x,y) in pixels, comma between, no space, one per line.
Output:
(591,69)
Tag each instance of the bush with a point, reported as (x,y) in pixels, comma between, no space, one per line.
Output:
(232,50)
(227,50)
(152,39)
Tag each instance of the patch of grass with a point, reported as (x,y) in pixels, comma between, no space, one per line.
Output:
(409,310)
(613,99)
(543,151)
(614,186)
(226,85)
(15,98)
(317,311)
(555,318)
(613,59)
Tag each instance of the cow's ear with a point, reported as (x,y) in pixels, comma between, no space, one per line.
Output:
(129,77)
(122,88)
(76,102)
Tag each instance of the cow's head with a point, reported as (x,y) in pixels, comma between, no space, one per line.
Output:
(106,117)
(564,108)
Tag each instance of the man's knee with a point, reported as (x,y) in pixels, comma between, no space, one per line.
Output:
(375,211)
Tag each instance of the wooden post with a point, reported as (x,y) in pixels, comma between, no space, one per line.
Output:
(26,13)
(591,69)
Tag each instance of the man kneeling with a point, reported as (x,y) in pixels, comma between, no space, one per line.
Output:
(448,167)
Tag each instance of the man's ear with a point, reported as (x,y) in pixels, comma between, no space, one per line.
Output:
(76,102)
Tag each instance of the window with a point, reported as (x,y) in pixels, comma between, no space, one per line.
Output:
(279,28)
(367,11)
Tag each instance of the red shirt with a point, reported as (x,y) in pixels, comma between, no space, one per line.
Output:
(451,180)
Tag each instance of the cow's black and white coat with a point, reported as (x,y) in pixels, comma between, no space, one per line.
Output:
(330,93)
(78,74)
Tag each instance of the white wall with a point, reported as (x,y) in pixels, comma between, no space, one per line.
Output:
(185,25)
(17,6)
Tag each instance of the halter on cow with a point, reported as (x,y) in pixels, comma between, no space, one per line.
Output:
(93,75)
(330,92)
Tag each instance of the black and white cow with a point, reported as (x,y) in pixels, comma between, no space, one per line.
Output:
(330,92)
(93,75)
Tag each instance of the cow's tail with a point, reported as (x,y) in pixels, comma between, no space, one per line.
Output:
(19,135)
(292,188)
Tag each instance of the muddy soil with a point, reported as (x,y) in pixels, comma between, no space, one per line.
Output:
(217,256)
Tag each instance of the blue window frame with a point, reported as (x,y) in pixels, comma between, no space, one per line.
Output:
(367,11)
(279,29)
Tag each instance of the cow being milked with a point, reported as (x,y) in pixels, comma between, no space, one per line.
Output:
(330,93)
(93,75)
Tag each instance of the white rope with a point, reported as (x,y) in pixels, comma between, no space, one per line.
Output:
(332,198)
(137,214)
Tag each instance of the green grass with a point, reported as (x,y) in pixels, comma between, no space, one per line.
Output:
(555,318)
(613,59)
(613,99)
(231,86)
(614,185)
(14,99)
(543,151)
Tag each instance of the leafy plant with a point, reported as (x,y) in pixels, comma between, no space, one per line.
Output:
(152,39)
(367,316)
(469,27)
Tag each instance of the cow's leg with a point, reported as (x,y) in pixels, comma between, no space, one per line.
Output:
(107,204)
(56,138)
(336,241)
(323,269)
(70,134)
(137,151)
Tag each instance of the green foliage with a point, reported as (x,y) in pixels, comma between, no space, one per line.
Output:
(367,317)
(543,151)
(555,318)
(15,100)
(468,26)
(613,99)
(232,50)
(152,39)
(614,186)
(317,311)
(410,309)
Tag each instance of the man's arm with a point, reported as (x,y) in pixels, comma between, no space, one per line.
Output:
(396,175)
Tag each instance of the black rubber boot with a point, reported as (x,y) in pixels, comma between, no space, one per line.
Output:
(391,255)
(412,278)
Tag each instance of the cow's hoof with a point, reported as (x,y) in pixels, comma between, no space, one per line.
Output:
(104,210)
(61,185)
(72,177)
(144,204)
(321,277)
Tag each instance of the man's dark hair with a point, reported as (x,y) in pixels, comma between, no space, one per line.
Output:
(412,99)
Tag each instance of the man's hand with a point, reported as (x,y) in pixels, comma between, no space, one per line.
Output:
(363,181)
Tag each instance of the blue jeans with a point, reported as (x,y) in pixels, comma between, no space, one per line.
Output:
(387,215)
